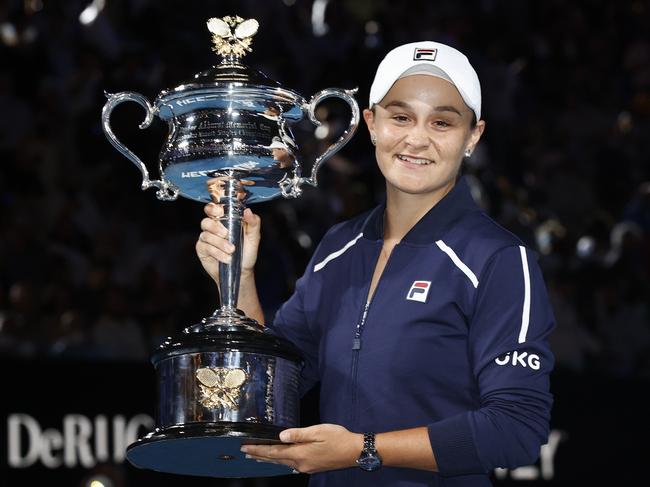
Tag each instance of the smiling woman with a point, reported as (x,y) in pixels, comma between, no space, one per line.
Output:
(422,128)
(405,313)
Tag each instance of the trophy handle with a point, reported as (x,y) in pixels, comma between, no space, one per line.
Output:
(166,192)
(291,188)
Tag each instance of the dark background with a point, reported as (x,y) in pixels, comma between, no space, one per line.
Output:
(94,272)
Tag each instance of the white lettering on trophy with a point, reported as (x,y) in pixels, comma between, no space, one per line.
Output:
(189,101)
(82,441)
(194,174)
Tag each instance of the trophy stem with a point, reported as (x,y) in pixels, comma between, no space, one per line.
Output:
(226,189)
(230,274)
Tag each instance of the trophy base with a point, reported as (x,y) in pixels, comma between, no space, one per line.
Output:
(206,450)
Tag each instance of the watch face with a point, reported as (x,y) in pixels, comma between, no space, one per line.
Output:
(369,462)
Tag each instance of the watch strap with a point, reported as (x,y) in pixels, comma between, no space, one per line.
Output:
(369,460)
(369,442)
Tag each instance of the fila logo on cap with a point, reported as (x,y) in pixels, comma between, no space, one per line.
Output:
(419,291)
(421,54)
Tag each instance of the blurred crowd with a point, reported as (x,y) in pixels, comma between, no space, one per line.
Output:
(93,268)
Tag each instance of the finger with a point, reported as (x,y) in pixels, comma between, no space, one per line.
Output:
(215,227)
(287,436)
(213,210)
(218,242)
(205,249)
(300,435)
(257,451)
(213,242)
(252,226)
(278,461)
(270,452)
(261,459)
(251,218)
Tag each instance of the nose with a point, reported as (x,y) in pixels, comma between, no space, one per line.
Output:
(417,137)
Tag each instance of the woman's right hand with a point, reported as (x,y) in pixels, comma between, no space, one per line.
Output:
(213,246)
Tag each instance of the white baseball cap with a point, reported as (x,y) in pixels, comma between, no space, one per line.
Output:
(276,143)
(434,59)
(283,143)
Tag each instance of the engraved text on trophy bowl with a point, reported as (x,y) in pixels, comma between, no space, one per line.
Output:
(203,144)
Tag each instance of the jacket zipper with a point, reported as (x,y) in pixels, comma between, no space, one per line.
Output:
(356,342)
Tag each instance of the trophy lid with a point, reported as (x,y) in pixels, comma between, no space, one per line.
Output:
(231,79)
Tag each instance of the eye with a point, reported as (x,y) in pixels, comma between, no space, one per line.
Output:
(441,124)
(401,118)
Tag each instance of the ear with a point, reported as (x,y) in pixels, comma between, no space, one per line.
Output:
(369,117)
(475,135)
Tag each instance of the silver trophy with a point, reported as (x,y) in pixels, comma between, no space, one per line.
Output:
(224,382)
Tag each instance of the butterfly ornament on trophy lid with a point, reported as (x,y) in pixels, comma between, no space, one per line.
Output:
(235,42)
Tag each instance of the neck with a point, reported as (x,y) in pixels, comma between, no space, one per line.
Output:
(404,210)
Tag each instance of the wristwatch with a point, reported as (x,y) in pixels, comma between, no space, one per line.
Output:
(369,460)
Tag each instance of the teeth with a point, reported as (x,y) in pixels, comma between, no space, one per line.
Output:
(422,162)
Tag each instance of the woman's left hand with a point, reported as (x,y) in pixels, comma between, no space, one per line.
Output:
(314,449)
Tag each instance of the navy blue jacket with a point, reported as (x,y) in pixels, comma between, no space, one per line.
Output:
(455,337)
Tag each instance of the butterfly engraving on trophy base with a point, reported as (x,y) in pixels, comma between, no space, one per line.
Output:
(220,386)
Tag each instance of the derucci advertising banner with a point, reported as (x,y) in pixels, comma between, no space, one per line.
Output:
(68,423)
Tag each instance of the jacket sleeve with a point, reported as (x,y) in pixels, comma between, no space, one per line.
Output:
(292,322)
(511,361)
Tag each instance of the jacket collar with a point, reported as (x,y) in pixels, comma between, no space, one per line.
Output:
(433,224)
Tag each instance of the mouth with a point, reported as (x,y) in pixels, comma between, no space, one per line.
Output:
(419,161)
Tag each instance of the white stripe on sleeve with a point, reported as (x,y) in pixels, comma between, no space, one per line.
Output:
(525,314)
(336,254)
(459,263)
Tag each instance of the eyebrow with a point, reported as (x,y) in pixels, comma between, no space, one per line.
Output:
(401,104)
(448,108)
(396,103)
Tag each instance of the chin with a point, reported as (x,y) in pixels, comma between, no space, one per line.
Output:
(416,188)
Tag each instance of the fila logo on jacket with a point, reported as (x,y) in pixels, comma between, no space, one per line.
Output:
(419,291)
